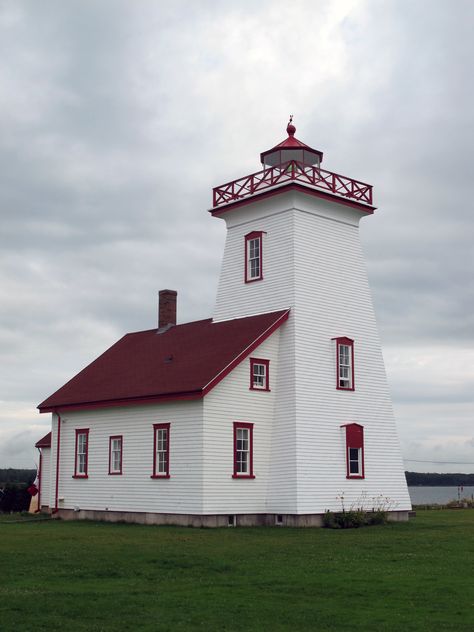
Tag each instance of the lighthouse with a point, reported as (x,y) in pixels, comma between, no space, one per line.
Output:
(267,413)
(293,243)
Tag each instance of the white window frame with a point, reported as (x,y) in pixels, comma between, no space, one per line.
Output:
(260,378)
(357,460)
(253,257)
(115,448)
(161,450)
(344,364)
(243,445)
(81,457)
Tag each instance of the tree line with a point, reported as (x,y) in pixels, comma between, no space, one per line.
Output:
(437,480)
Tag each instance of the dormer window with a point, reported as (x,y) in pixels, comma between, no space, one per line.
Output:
(253,257)
(344,364)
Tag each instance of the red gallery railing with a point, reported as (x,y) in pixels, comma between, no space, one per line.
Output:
(288,172)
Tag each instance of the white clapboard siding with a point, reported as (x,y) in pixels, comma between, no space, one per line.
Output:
(233,400)
(313,263)
(45,482)
(133,490)
(333,299)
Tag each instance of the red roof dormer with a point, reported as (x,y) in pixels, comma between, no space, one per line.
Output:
(291,149)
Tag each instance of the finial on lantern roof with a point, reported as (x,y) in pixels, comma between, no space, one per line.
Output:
(290,128)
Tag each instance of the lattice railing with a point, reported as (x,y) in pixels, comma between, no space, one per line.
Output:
(292,171)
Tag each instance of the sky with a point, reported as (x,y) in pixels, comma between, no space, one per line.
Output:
(118,117)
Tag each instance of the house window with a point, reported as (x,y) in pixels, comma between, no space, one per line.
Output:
(259,375)
(354,451)
(161,451)
(81,455)
(115,454)
(243,450)
(344,364)
(253,257)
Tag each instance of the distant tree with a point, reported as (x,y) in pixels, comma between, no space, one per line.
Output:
(17,475)
(14,497)
(435,479)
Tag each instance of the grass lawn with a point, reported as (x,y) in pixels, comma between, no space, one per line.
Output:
(97,576)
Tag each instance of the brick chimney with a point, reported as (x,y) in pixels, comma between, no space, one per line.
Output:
(167,308)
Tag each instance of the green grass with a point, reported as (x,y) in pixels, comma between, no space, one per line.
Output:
(97,576)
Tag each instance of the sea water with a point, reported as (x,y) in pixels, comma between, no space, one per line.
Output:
(421,495)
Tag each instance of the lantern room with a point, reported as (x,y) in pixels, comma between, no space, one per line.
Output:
(291,149)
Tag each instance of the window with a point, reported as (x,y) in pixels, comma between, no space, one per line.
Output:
(354,450)
(161,451)
(259,375)
(345,364)
(81,456)
(253,257)
(243,450)
(115,454)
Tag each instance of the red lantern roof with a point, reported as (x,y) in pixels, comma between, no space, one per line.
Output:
(291,149)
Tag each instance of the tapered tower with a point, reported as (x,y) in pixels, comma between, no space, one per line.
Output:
(293,242)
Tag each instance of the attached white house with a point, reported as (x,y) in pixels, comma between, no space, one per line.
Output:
(266,413)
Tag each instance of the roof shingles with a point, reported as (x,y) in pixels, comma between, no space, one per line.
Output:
(184,361)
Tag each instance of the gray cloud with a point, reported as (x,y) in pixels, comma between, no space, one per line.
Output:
(117,118)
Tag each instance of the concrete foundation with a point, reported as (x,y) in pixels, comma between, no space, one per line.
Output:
(208,521)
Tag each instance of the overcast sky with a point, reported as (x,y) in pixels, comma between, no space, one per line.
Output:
(118,117)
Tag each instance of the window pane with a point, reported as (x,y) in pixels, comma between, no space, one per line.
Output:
(242,462)
(116,461)
(354,467)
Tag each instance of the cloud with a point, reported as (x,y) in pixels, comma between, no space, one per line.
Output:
(117,118)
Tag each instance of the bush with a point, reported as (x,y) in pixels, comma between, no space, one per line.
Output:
(14,498)
(350,519)
(356,516)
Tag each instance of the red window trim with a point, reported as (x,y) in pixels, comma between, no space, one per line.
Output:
(267,374)
(256,234)
(354,439)
(242,424)
(110,455)
(155,428)
(80,431)
(343,340)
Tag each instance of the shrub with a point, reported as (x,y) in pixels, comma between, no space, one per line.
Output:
(357,516)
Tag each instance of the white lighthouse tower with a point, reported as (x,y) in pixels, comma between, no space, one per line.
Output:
(293,242)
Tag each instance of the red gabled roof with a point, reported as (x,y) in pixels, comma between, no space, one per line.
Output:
(184,362)
(45,442)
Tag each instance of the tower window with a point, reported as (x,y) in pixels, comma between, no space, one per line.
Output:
(344,364)
(253,257)
(354,450)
